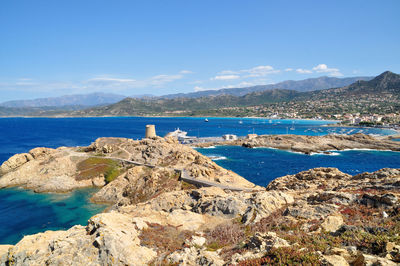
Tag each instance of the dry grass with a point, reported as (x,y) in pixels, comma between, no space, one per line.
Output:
(165,239)
(187,186)
(284,256)
(225,235)
(147,187)
(94,167)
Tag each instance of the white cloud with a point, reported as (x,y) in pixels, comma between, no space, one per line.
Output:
(228,72)
(160,80)
(226,77)
(323,68)
(186,72)
(198,88)
(99,83)
(289,69)
(110,80)
(258,71)
(303,71)
(123,84)
(239,85)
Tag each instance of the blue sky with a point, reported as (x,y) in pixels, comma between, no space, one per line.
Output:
(52,48)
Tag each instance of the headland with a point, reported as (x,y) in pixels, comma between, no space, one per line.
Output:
(318,216)
(307,144)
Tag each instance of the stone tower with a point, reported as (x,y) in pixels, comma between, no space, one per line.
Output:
(150,131)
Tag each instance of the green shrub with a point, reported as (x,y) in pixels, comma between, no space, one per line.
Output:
(285,256)
(112,173)
(95,166)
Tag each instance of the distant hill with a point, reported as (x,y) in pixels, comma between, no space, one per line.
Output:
(310,84)
(133,106)
(37,111)
(387,83)
(375,89)
(85,100)
(378,95)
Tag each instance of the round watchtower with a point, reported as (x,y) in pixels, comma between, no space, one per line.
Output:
(150,131)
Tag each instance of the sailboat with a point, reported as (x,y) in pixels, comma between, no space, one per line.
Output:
(292,128)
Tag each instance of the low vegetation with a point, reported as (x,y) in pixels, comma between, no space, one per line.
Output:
(364,229)
(94,167)
(164,239)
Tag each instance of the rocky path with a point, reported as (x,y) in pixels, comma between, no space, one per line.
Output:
(185,177)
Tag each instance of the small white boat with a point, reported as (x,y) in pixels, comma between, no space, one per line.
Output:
(292,128)
(240,122)
(206,120)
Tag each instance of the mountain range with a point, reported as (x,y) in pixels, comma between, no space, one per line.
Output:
(83,100)
(381,92)
(310,84)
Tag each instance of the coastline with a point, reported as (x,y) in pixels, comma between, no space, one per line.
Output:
(151,206)
(309,144)
(158,116)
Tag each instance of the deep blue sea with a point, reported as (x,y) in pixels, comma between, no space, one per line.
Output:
(262,165)
(23,212)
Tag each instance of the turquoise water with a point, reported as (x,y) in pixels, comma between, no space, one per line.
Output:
(262,165)
(23,212)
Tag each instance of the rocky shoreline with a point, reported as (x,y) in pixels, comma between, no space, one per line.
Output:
(311,144)
(319,216)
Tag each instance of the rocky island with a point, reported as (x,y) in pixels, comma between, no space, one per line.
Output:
(312,144)
(170,205)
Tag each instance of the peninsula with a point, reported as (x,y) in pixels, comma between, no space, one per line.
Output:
(171,205)
(310,144)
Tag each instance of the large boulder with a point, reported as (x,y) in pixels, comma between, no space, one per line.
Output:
(14,162)
(332,223)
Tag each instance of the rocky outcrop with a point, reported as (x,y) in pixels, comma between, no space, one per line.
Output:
(157,162)
(15,162)
(108,239)
(43,170)
(318,216)
(313,144)
(195,256)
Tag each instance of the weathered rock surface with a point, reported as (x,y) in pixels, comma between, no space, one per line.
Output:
(15,162)
(195,256)
(65,169)
(109,239)
(313,144)
(167,152)
(42,170)
(318,216)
